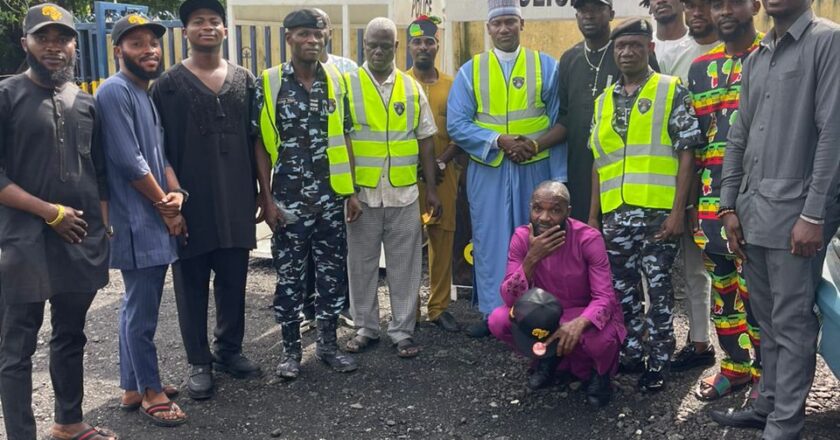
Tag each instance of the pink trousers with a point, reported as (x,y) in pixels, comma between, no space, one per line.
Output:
(597,350)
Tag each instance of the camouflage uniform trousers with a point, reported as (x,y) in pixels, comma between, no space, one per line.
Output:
(737,328)
(633,251)
(324,235)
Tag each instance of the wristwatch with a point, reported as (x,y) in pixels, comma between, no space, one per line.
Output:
(441,164)
(184,192)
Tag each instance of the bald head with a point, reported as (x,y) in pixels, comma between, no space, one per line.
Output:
(552,188)
(549,206)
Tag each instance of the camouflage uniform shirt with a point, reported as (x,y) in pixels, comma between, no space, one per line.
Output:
(301,175)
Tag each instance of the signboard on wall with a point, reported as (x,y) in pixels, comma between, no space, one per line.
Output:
(534,10)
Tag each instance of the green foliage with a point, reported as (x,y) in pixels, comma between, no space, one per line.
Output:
(13,11)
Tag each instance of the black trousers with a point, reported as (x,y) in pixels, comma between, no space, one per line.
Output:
(18,339)
(191,277)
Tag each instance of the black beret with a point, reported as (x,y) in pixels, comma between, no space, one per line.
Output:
(190,6)
(308,18)
(634,26)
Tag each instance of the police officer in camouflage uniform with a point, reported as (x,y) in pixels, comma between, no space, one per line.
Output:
(303,123)
(643,136)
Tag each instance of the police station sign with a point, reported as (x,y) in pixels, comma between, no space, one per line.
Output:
(460,10)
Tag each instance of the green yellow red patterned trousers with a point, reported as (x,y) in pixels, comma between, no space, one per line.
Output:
(736,328)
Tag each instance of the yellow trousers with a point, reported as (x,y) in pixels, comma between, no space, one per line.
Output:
(440,269)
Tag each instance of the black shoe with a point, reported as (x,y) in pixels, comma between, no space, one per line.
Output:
(289,366)
(632,368)
(739,418)
(479,329)
(689,358)
(200,382)
(543,373)
(599,390)
(652,381)
(237,366)
(326,348)
(447,322)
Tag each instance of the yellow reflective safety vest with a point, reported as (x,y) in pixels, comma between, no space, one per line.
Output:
(643,171)
(384,131)
(341,178)
(520,110)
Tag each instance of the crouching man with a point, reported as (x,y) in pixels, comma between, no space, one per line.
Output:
(568,259)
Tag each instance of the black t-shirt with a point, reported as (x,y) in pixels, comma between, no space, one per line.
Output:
(48,147)
(210,146)
(578,90)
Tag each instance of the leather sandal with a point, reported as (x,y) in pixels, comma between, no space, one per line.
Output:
(360,343)
(171,407)
(171,391)
(717,386)
(407,348)
(92,433)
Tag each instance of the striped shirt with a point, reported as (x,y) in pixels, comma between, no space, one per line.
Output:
(132,140)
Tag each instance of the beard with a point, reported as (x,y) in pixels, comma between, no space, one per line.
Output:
(702,33)
(139,72)
(54,78)
(736,33)
(424,65)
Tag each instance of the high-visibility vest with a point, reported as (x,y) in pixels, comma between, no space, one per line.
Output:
(514,106)
(643,171)
(384,130)
(341,179)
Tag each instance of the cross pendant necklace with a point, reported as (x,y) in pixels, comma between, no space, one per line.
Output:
(597,68)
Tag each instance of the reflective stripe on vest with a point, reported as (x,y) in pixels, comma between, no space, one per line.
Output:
(341,178)
(381,133)
(643,171)
(519,111)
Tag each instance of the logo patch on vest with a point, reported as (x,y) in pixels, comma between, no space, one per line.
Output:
(644,105)
(399,107)
(518,82)
(331,105)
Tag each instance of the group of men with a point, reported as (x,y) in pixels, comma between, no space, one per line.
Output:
(342,161)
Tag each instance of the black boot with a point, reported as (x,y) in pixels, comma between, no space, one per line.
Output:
(599,389)
(326,347)
(289,366)
(543,373)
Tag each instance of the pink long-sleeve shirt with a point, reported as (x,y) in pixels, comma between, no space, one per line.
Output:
(577,274)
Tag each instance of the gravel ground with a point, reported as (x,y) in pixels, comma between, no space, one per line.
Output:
(458,388)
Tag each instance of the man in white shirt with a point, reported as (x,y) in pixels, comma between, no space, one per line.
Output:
(677,45)
(392,135)
(675,56)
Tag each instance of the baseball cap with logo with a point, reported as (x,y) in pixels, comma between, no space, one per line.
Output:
(576,3)
(535,317)
(134,21)
(47,14)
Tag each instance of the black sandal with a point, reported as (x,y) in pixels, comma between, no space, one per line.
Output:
(152,411)
(90,434)
(171,391)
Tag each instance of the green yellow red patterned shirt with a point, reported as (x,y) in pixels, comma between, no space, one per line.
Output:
(714,81)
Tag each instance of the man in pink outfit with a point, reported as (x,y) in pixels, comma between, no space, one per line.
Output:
(568,259)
